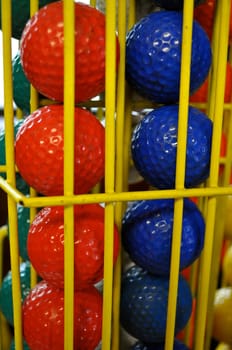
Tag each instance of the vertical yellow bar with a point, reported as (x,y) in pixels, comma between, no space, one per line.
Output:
(34,6)
(186,48)
(10,163)
(69,127)
(110,91)
(132,14)
(205,291)
(119,165)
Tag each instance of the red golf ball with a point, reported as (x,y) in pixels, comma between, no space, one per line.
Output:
(205,15)
(43,318)
(46,244)
(39,150)
(201,94)
(42,51)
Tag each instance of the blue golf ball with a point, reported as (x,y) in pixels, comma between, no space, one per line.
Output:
(143,308)
(154,146)
(174,4)
(153,56)
(21,185)
(178,345)
(147,234)
(6,301)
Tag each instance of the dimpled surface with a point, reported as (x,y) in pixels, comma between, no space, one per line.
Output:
(153,56)
(158,346)
(46,244)
(20,14)
(174,4)
(6,301)
(143,306)
(20,183)
(147,234)
(39,150)
(42,47)
(154,144)
(43,318)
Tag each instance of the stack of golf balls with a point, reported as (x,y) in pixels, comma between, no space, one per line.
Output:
(153,58)
(39,155)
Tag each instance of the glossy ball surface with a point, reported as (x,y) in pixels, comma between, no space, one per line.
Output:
(153,56)
(39,150)
(143,309)
(21,185)
(46,244)
(44,309)
(222,320)
(20,12)
(42,51)
(6,300)
(154,147)
(174,4)
(147,234)
(159,346)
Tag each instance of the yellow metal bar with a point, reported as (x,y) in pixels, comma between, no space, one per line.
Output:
(132,14)
(69,127)
(186,49)
(9,140)
(119,178)
(4,327)
(34,6)
(5,333)
(3,235)
(110,93)
(213,243)
(215,50)
(93,3)
(113,197)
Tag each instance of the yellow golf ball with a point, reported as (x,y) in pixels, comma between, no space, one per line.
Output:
(222,315)
(223,346)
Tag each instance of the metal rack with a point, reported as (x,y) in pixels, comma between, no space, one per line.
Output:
(119,100)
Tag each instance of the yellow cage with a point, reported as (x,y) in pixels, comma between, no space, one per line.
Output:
(118,100)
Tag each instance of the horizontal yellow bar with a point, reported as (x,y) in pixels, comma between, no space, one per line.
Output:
(112,197)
